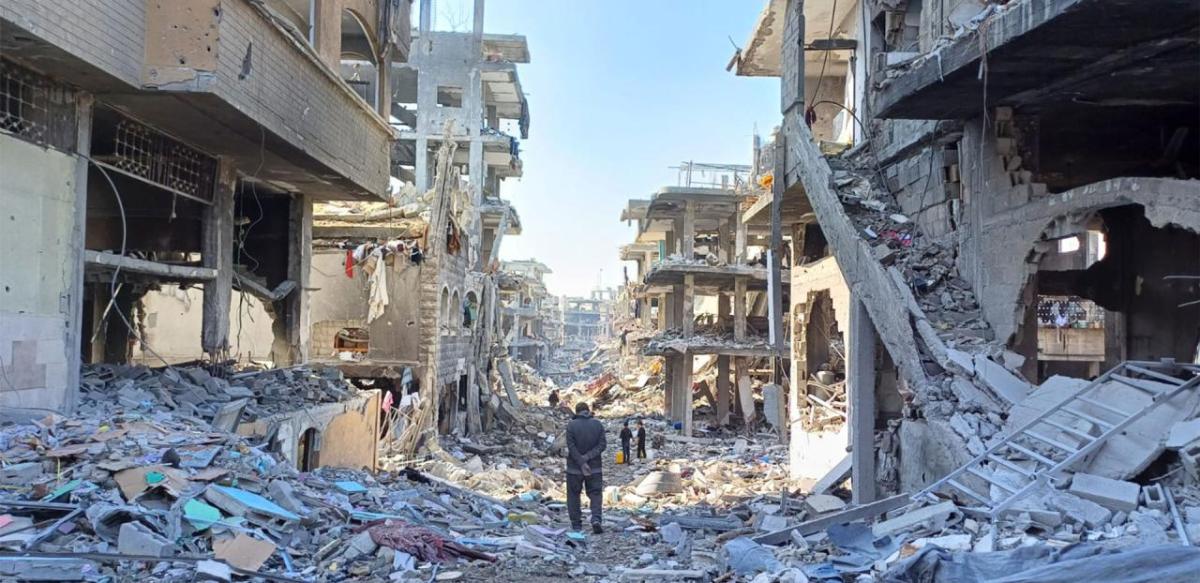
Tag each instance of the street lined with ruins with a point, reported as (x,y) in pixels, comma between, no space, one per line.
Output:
(297,291)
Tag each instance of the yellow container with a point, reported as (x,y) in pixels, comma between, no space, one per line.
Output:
(620,457)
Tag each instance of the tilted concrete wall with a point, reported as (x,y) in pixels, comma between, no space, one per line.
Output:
(37,214)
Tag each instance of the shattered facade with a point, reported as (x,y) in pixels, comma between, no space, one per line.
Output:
(170,169)
(995,228)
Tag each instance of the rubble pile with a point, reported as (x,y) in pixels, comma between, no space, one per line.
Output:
(927,265)
(151,494)
(204,392)
(673,339)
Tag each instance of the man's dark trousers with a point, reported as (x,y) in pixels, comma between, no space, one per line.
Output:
(594,484)
(625,453)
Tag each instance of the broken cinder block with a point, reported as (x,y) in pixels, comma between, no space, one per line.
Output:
(136,538)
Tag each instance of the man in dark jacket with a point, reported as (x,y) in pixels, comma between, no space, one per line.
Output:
(585,446)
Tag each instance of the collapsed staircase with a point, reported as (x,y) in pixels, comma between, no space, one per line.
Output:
(1038,455)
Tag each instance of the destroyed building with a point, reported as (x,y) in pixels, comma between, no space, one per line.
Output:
(586,319)
(526,309)
(703,288)
(1003,234)
(148,168)
(411,298)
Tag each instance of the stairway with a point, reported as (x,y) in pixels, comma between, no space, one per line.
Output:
(1050,456)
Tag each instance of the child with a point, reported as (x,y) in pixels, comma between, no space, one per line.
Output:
(626,437)
(641,436)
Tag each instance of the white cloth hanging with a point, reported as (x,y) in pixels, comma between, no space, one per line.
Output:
(377,283)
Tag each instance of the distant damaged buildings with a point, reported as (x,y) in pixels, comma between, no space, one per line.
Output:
(980,196)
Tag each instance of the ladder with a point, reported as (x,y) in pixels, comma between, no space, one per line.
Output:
(1051,456)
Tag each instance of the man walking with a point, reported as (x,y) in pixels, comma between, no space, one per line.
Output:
(585,446)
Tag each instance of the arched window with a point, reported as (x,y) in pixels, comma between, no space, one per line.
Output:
(359,62)
(444,311)
(308,451)
(471,312)
(455,318)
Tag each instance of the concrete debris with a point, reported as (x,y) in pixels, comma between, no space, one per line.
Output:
(1183,433)
(1116,495)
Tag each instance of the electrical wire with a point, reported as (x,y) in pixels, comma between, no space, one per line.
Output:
(825,61)
(867,133)
(112,289)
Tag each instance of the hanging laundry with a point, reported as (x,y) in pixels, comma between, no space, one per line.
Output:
(350,264)
(378,298)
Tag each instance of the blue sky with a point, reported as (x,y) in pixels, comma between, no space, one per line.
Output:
(619,92)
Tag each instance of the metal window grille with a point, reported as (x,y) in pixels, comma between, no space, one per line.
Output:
(34,108)
(162,160)
(1068,312)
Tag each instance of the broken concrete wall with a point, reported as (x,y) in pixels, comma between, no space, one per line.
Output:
(37,203)
(941,17)
(1000,223)
(171,318)
(348,431)
(337,301)
(929,449)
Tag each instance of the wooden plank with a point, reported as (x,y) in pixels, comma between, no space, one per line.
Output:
(862,512)
(134,265)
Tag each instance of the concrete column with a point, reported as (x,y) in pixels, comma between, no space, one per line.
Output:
(775,249)
(421,170)
(426,22)
(299,264)
(681,390)
(723,390)
(723,316)
(739,241)
(383,89)
(688,239)
(664,311)
(216,249)
(741,367)
(677,306)
(861,388)
(688,305)
(739,308)
(74,347)
(670,241)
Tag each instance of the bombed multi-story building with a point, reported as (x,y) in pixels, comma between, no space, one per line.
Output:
(526,320)
(161,162)
(707,296)
(1008,190)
